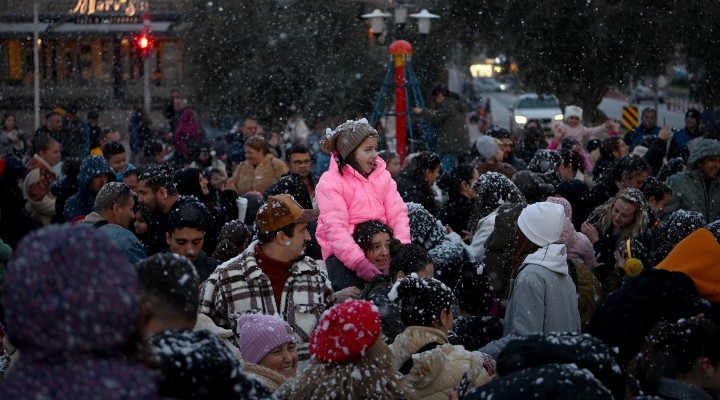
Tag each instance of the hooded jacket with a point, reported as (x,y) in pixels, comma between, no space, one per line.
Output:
(82,202)
(696,256)
(349,199)
(692,191)
(542,297)
(628,314)
(447,250)
(435,372)
(73,306)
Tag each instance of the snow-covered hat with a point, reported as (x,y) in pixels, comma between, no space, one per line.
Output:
(346,331)
(260,334)
(348,136)
(573,111)
(542,223)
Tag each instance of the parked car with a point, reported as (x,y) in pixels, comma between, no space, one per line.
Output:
(644,93)
(488,85)
(533,106)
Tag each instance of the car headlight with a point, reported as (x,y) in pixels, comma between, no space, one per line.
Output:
(520,120)
(558,117)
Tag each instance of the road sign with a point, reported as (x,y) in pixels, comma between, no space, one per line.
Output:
(630,117)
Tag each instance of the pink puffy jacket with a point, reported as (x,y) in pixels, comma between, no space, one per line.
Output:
(349,199)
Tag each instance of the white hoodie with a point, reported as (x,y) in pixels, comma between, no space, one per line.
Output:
(542,298)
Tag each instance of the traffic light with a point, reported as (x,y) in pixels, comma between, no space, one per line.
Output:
(143,45)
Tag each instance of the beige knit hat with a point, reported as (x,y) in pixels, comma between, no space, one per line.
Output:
(348,136)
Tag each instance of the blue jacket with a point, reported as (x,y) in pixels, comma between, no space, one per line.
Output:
(636,136)
(82,202)
(678,145)
(121,237)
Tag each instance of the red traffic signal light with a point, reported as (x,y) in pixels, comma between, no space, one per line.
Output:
(143,45)
(143,42)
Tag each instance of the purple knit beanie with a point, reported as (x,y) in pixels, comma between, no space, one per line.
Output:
(260,334)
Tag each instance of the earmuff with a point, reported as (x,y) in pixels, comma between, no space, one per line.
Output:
(633,266)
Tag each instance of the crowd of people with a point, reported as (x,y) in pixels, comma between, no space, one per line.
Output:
(575,263)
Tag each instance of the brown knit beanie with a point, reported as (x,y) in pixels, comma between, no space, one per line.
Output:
(348,136)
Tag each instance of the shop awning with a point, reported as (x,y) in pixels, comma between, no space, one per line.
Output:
(22,27)
(70,28)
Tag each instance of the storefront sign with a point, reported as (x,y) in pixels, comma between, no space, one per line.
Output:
(126,7)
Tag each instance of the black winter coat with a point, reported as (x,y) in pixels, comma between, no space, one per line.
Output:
(421,193)
(476,331)
(628,314)
(456,213)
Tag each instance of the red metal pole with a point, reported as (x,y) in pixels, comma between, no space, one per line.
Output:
(401,51)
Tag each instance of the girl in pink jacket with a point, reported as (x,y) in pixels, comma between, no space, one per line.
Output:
(356,188)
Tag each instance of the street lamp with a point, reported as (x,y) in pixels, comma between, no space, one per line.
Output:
(424,18)
(377,19)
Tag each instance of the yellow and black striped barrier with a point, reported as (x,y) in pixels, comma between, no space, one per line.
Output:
(630,117)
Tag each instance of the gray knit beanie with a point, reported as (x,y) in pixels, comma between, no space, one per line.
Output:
(487,147)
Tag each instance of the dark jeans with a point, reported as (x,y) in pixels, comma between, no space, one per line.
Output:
(341,276)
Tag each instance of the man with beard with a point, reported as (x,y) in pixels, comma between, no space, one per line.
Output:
(273,275)
(114,206)
(157,192)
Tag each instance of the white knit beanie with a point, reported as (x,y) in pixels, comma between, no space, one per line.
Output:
(573,111)
(542,222)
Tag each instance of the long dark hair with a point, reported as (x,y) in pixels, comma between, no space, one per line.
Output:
(672,349)
(421,162)
(452,179)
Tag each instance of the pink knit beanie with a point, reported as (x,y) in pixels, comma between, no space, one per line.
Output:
(260,334)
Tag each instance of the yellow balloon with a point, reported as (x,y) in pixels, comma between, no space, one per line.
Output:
(633,267)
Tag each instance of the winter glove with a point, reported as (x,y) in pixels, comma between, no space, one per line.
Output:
(366,270)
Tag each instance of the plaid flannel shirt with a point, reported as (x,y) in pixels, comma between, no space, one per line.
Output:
(239,286)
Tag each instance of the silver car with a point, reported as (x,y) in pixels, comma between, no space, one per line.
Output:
(545,109)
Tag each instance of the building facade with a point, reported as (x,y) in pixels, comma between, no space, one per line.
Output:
(87,52)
